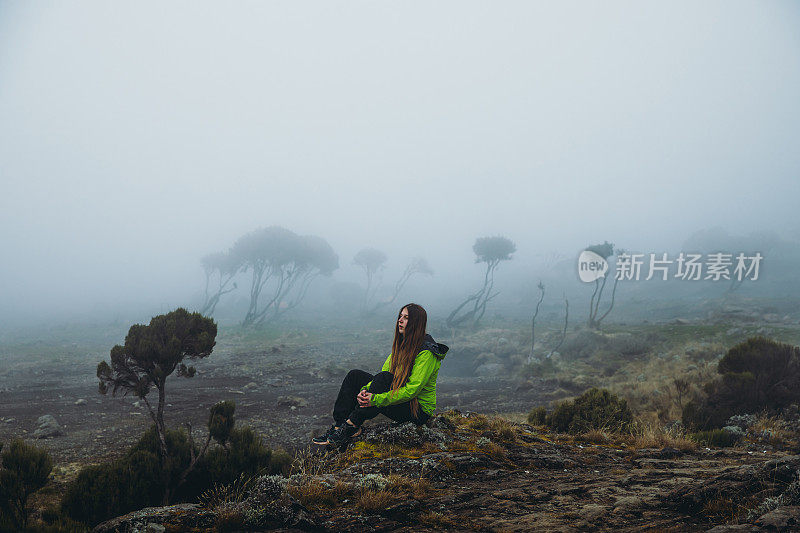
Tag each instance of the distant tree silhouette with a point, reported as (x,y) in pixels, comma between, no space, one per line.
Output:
(605,251)
(151,354)
(372,261)
(540,286)
(418,265)
(224,266)
(292,262)
(489,250)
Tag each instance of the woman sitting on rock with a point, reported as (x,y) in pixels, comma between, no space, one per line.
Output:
(404,389)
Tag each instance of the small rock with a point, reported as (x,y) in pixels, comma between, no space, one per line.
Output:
(251,385)
(80,401)
(47,427)
(786,518)
(292,401)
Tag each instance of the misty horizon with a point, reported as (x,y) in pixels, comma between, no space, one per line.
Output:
(136,140)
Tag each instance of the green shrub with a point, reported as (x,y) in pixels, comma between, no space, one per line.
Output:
(25,469)
(221,421)
(245,453)
(281,462)
(594,409)
(758,374)
(718,438)
(537,416)
(137,480)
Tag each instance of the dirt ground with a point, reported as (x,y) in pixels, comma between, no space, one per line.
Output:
(264,386)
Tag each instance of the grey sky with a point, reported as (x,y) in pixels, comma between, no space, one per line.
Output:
(136,137)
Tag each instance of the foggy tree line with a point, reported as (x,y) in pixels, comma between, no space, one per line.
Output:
(281,265)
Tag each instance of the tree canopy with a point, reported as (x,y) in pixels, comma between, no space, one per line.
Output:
(490,249)
(288,261)
(152,353)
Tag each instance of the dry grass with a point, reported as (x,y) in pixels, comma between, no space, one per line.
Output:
(647,435)
(517,418)
(724,509)
(780,433)
(477,422)
(596,436)
(314,492)
(227,493)
(502,428)
(415,488)
(374,500)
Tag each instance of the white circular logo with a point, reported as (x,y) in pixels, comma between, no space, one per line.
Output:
(591,266)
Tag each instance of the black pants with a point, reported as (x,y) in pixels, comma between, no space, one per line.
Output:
(346,405)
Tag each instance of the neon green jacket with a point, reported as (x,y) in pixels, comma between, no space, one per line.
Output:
(422,382)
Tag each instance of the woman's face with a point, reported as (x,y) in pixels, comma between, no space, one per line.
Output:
(402,321)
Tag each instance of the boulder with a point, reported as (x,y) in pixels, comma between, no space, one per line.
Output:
(47,427)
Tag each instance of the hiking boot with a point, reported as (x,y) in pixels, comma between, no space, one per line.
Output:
(323,439)
(341,436)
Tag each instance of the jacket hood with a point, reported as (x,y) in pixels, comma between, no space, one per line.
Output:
(438,349)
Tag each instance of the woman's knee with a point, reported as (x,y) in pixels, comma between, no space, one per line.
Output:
(382,381)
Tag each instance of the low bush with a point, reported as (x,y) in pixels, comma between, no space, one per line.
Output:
(537,416)
(758,374)
(245,452)
(717,438)
(594,409)
(24,469)
(135,481)
(139,479)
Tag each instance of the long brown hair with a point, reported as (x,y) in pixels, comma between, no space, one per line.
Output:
(406,346)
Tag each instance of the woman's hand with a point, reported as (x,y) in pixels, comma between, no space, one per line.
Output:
(364,398)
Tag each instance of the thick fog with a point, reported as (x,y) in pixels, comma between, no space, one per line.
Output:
(135,138)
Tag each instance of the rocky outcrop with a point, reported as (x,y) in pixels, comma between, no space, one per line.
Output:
(470,472)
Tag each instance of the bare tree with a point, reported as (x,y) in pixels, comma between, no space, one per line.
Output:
(605,251)
(372,261)
(418,265)
(224,266)
(540,286)
(563,331)
(489,250)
